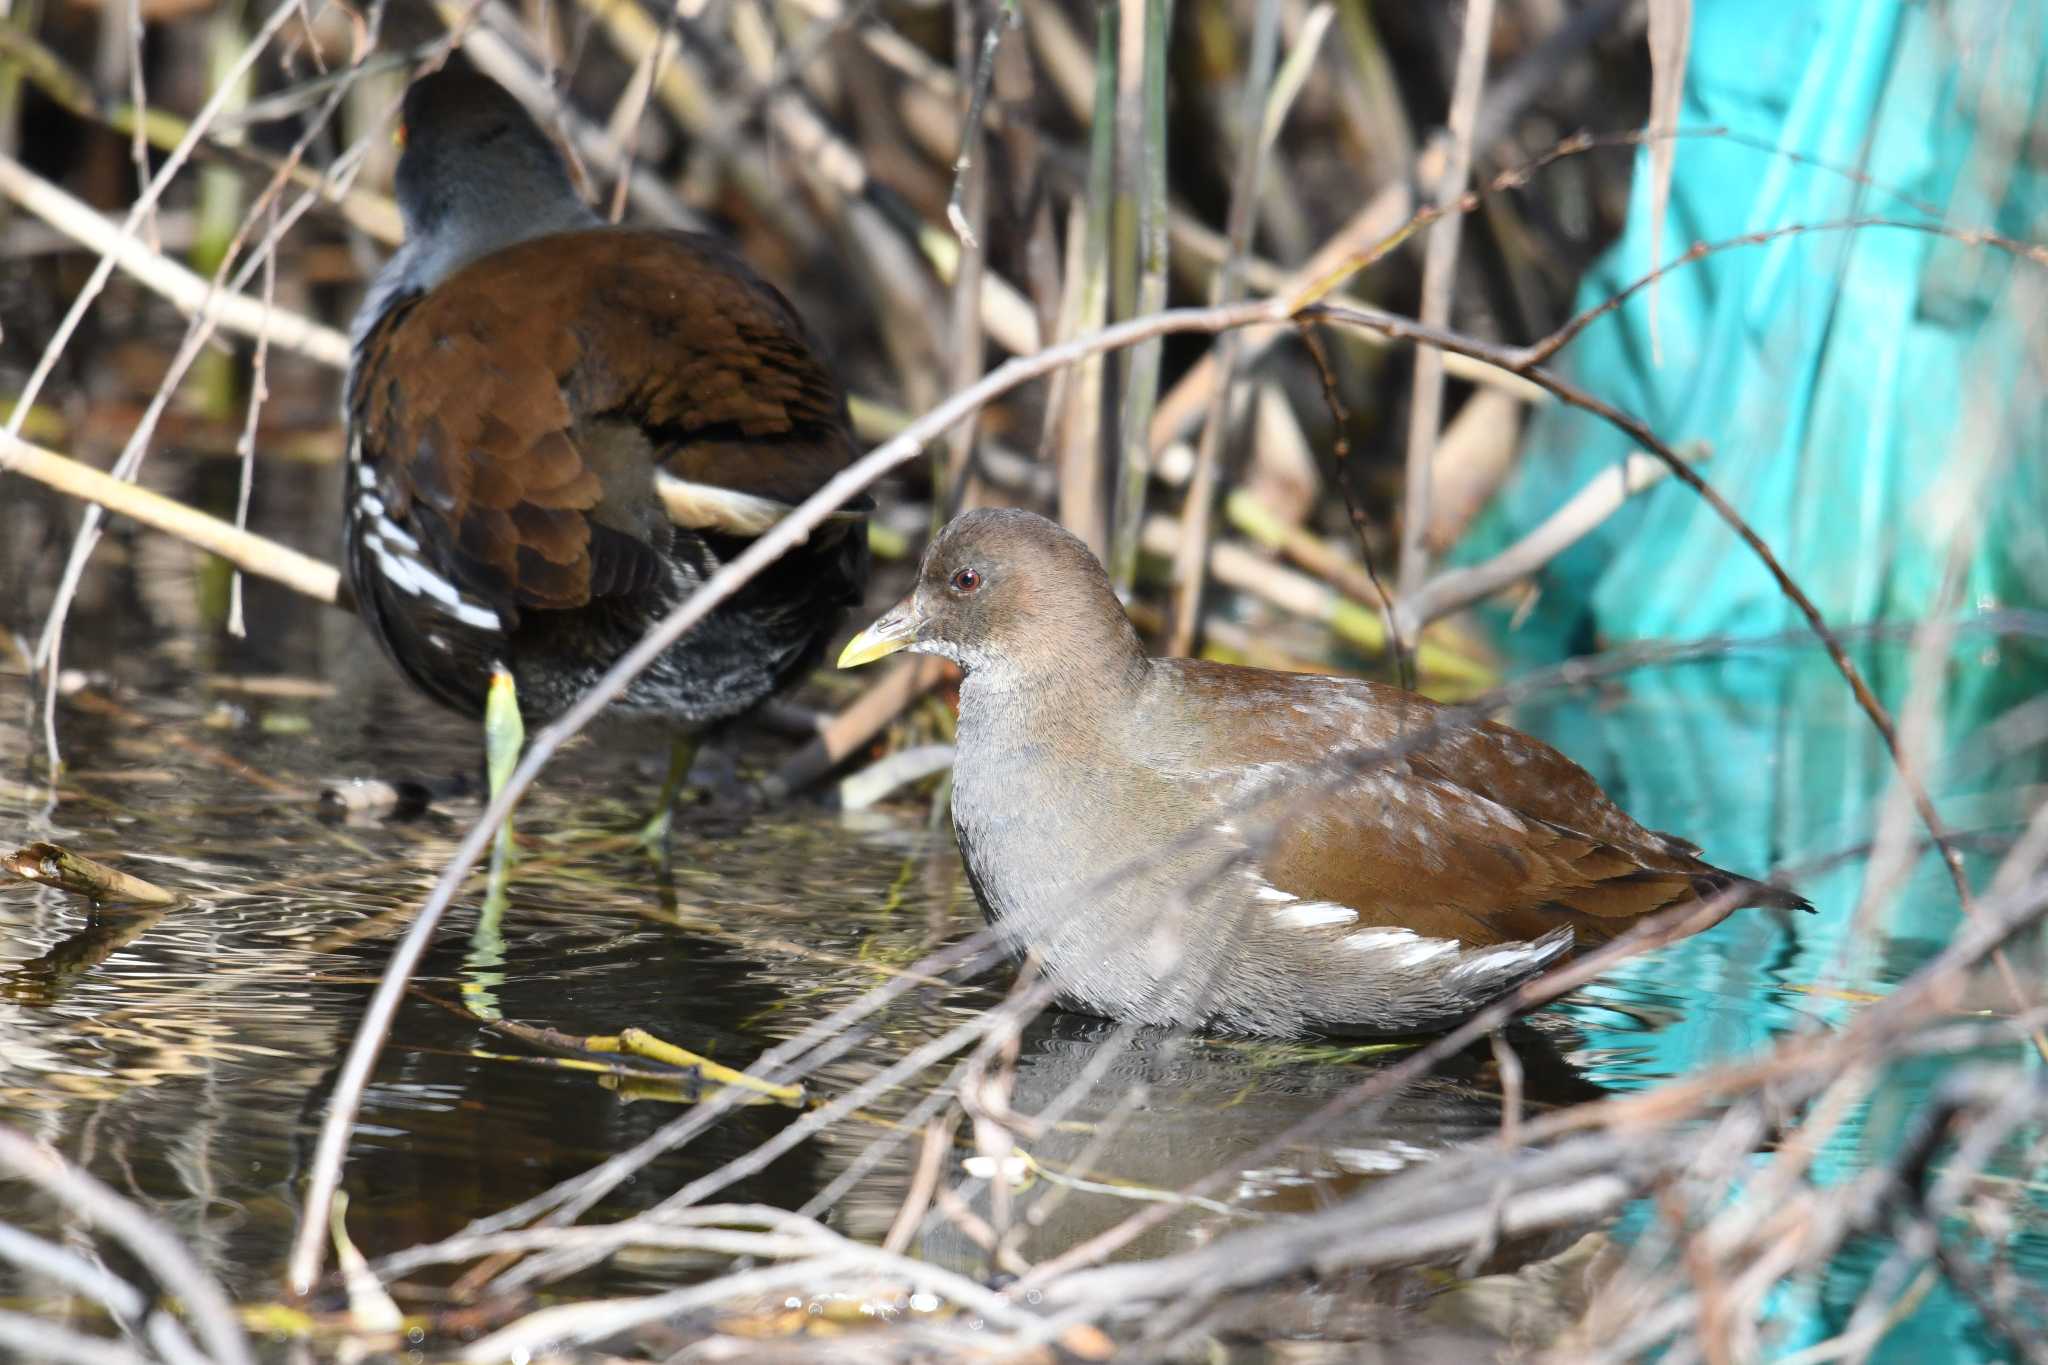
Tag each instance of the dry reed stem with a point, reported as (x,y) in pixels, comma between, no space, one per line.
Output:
(245,550)
(1439,271)
(1140,253)
(1191,553)
(55,866)
(371,213)
(184,289)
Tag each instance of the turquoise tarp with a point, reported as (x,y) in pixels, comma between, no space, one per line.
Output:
(1866,393)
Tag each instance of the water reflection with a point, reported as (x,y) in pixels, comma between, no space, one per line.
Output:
(1145,1113)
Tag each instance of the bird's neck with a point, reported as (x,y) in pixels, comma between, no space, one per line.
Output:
(427,258)
(1042,759)
(1076,697)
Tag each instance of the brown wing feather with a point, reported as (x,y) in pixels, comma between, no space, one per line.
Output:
(1481,833)
(481,406)
(1467,869)
(740,399)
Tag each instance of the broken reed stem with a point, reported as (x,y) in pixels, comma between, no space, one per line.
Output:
(56,866)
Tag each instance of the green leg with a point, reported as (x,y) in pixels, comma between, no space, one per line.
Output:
(504,737)
(682,752)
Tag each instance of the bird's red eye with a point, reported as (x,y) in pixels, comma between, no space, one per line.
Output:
(967,580)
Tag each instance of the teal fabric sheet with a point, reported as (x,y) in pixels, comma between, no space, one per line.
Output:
(1871,397)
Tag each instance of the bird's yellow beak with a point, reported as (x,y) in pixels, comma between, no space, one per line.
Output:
(896,629)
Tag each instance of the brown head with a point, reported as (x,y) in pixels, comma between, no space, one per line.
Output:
(1004,591)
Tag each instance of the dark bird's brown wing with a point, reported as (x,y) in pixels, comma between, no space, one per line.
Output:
(738,398)
(512,416)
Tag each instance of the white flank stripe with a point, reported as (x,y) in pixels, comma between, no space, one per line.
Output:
(391,530)
(473,614)
(1511,956)
(1312,914)
(1409,948)
(410,575)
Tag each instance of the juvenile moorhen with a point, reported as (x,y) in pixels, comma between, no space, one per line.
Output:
(1132,821)
(557,429)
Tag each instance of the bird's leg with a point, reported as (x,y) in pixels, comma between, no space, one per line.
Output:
(682,752)
(504,737)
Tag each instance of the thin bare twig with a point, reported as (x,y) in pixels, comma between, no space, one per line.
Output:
(245,444)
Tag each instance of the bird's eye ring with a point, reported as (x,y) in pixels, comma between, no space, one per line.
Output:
(967,580)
